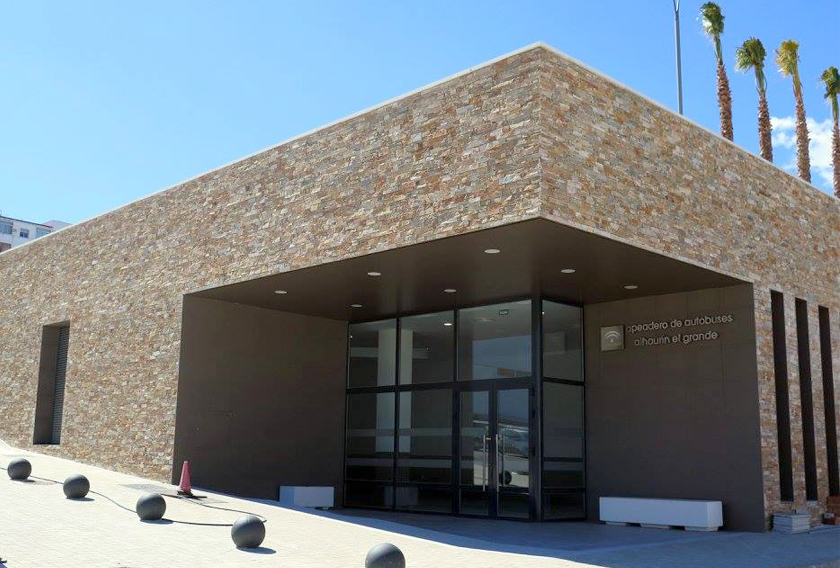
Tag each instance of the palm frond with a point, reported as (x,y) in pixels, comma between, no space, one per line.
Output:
(787,58)
(712,19)
(831,78)
(751,55)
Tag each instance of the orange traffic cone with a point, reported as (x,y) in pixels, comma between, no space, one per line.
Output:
(185,487)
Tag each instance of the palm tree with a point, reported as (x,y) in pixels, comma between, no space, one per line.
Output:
(787,58)
(751,55)
(831,78)
(713,26)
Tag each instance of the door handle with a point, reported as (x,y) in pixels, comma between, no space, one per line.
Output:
(485,439)
(500,457)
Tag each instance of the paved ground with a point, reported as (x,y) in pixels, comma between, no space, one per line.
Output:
(40,528)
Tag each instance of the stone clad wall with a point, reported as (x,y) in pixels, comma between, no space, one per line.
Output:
(615,163)
(531,135)
(456,157)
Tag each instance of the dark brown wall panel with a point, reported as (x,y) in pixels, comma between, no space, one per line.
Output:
(260,398)
(676,420)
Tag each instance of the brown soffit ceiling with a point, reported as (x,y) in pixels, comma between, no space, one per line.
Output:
(532,257)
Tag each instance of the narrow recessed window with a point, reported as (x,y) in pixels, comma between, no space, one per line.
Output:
(49,406)
(777,307)
(828,401)
(806,394)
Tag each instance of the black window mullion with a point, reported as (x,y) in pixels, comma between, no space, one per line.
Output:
(397,364)
(456,420)
(535,410)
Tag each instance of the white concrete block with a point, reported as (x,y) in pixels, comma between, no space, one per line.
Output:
(662,513)
(307,496)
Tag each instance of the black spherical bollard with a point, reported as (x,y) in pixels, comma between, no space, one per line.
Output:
(248,532)
(19,469)
(76,486)
(150,507)
(385,555)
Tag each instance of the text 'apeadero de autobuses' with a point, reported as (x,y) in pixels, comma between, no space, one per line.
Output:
(677,327)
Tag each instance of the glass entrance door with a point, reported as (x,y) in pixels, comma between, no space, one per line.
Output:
(495,452)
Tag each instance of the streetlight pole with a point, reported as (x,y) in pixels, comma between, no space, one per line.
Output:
(679,58)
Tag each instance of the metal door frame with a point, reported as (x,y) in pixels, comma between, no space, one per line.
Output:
(493,387)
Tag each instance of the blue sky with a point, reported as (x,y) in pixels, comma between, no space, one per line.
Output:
(105,102)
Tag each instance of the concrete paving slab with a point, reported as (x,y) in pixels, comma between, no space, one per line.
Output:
(40,528)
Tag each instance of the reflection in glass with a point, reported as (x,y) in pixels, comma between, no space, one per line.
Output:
(494,342)
(425,436)
(373,353)
(566,474)
(427,499)
(475,438)
(427,348)
(370,436)
(562,420)
(513,439)
(516,505)
(475,500)
(513,455)
(563,450)
(564,505)
(362,494)
(475,457)
(562,342)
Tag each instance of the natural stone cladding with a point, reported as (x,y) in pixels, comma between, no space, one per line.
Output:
(533,134)
(613,162)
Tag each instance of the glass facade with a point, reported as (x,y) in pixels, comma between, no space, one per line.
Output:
(425,436)
(427,349)
(564,452)
(441,412)
(373,354)
(494,342)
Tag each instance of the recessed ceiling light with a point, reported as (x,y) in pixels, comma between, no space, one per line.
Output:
(355,305)
(447,323)
(630,287)
(279,291)
(450,290)
(492,251)
(568,271)
(374,273)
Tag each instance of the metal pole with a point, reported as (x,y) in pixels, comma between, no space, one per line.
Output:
(679,62)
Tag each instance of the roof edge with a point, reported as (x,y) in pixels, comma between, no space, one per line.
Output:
(661,106)
(529,47)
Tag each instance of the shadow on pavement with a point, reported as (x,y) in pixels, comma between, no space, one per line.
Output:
(259,550)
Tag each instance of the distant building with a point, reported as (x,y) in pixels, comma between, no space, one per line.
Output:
(14,232)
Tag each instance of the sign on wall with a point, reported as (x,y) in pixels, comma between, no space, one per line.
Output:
(670,332)
(612,338)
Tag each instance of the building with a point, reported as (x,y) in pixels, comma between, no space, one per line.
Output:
(505,294)
(14,232)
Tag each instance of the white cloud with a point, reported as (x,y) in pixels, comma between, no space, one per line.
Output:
(819,147)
